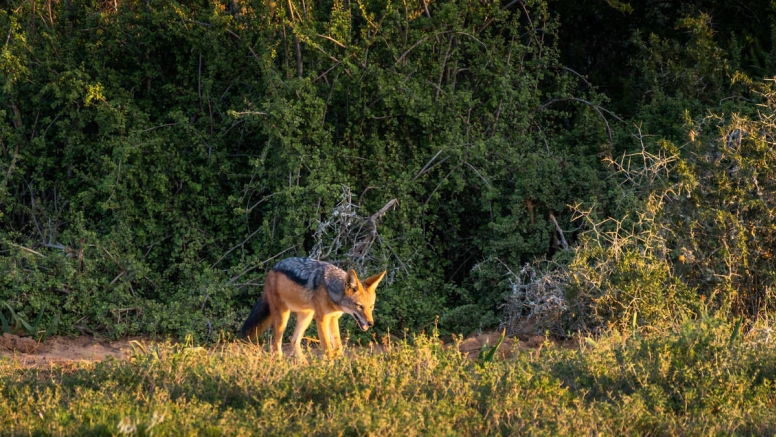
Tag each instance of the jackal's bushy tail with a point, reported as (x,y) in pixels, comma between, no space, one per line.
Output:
(257,322)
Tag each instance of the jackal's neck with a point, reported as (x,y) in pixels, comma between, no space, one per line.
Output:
(334,279)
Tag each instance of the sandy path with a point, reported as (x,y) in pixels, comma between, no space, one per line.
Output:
(63,349)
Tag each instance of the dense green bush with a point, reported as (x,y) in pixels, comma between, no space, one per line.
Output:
(157,157)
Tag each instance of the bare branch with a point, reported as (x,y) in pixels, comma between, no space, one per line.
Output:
(425,8)
(235,247)
(333,40)
(28,250)
(563,242)
(255,266)
(425,167)
(10,168)
(510,4)
(597,109)
(478,174)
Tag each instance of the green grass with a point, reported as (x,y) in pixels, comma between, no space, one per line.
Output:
(696,379)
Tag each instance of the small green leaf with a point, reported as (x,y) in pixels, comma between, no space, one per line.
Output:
(487,353)
(38,319)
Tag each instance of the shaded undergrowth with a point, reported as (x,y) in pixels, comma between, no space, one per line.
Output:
(700,377)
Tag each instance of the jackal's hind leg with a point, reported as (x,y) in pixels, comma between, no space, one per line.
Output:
(279,322)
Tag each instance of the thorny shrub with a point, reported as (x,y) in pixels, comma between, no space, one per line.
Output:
(696,234)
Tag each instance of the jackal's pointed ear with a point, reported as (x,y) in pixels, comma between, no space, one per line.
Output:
(352,279)
(372,281)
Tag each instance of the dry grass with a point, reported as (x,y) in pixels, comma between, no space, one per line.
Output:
(698,378)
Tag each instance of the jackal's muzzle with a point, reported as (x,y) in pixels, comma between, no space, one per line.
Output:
(362,323)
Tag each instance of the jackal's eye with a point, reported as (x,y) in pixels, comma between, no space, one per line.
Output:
(359,307)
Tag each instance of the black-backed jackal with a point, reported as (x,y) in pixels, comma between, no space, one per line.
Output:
(311,289)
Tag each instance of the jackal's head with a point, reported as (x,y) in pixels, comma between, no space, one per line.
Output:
(359,299)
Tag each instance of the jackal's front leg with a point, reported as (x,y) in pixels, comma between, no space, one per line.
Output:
(324,334)
(334,330)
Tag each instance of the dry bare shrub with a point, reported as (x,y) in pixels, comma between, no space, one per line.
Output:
(537,301)
(346,228)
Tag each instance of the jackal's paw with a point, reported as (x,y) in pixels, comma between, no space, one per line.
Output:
(333,353)
(299,358)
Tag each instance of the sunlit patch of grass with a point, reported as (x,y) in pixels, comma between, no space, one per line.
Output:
(695,378)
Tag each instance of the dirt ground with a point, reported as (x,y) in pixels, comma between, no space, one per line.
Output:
(64,350)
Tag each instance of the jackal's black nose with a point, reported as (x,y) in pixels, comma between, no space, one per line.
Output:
(370,324)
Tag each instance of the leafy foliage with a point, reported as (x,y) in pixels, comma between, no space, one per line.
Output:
(158,157)
(605,40)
